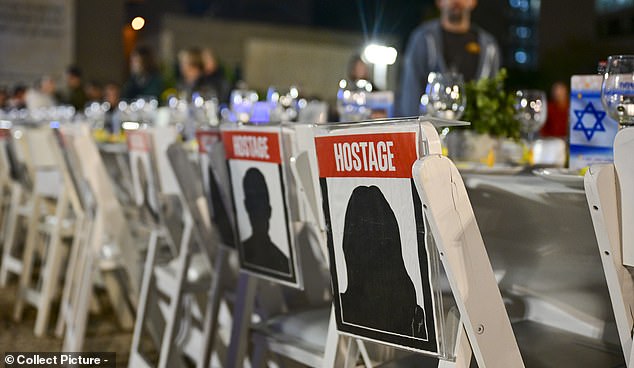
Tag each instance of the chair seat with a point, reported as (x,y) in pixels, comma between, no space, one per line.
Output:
(561,349)
(307,329)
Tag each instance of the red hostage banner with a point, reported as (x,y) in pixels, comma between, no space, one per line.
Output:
(138,141)
(205,138)
(367,155)
(252,146)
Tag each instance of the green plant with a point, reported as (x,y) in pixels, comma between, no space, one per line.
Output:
(490,107)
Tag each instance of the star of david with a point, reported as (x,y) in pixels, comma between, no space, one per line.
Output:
(598,121)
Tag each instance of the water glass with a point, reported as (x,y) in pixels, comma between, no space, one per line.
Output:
(617,89)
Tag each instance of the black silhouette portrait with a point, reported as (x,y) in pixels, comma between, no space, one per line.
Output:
(380,294)
(258,249)
(220,215)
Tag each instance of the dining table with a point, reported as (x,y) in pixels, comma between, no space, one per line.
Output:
(539,236)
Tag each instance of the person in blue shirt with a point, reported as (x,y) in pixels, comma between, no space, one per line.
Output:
(450,43)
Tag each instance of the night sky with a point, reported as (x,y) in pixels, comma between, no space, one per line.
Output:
(396,18)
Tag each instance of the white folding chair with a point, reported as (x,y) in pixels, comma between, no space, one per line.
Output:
(285,330)
(20,204)
(611,201)
(49,224)
(187,271)
(208,244)
(5,181)
(104,244)
(484,326)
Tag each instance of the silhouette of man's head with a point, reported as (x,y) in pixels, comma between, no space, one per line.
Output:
(256,200)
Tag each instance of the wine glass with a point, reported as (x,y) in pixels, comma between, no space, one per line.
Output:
(444,96)
(284,102)
(241,104)
(531,111)
(617,90)
(351,100)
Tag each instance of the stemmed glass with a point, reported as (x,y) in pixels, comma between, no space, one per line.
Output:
(352,100)
(617,90)
(444,96)
(531,111)
(284,102)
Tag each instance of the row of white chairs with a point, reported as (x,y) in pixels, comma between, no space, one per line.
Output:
(268,318)
(61,200)
(197,294)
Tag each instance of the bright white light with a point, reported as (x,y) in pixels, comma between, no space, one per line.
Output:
(138,23)
(294,92)
(130,125)
(377,54)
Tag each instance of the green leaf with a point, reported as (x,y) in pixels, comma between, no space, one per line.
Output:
(490,107)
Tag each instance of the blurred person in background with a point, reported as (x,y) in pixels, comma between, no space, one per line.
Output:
(43,94)
(558,110)
(4,97)
(214,76)
(450,43)
(93,91)
(145,78)
(192,73)
(358,69)
(18,97)
(74,93)
(112,118)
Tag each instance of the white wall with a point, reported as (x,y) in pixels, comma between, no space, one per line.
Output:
(314,59)
(36,38)
(314,68)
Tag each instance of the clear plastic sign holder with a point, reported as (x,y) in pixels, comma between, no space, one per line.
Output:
(610,193)
(263,203)
(452,236)
(376,235)
(482,327)
(305,238)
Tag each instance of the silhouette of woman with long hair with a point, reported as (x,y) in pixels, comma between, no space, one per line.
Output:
(380,294)
(258,249)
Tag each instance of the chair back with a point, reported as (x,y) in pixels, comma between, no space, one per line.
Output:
(100,184)
(53,175)
(190,183)
(144,182)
